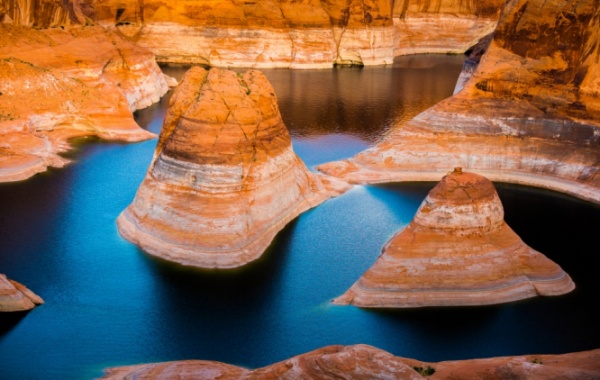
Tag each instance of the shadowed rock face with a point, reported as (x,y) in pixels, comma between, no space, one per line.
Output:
(224,179)
(529,114)
(59,84)
(366,362)
(16,297)
(457,251)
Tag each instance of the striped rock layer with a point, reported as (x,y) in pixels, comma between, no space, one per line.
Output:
(457,251)
(16,297)
(224,179)
(58,84)
(276,33)
(366,362)
(530,114)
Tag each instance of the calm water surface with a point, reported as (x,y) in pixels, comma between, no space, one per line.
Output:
(108,304)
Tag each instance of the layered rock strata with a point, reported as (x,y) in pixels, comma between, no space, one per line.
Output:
(530,114)
(57,84)
(284,33)
(16,297)
(442,26)
(366,362)
(224,179)
(457,251)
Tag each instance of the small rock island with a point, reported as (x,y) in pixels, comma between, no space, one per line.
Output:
(457,251)
(224,179)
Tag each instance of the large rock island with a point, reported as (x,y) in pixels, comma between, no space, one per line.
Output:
(367,362)
(224,179)
(457,251)
(530,113)
(16,297)
(61,83)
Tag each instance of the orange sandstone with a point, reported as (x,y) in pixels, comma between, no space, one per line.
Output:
(530,113)
(59,84)
(224,179)
(16,297)
(367,362)
(457,251)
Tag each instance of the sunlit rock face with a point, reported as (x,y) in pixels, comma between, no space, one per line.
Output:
(44,13)
(228,33)
(425,26)
(59,84)
(224,179)
(529,114)
(457,251)
(16,297)
(367,362)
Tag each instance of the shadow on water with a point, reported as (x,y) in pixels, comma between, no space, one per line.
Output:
(8,320)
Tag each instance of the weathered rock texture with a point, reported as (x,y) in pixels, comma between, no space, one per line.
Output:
(442,26)
(366,362)
(224,179)
(530,113)
(57,84)
(276,33)
(457,251)
(16,297)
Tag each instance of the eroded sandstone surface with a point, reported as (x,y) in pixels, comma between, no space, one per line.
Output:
(16,297)
(367,362)
(530,113)
(276,33)
(457,251)
(224,179)
(61,83)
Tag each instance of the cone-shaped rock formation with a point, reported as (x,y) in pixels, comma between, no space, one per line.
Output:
(457,251)
(224,179)
(16,297)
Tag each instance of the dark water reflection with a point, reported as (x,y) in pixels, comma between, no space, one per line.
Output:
(109,304)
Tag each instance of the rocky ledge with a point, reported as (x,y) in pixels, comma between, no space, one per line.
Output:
(530,114)
(61,83)
(224,179)
(16,297)
(457,251)
(367,362)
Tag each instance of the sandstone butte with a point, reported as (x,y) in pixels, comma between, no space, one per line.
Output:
(367,362)
(530,113)
(276,33)
(457,251)
(224,178)
(61,83)
(16,297)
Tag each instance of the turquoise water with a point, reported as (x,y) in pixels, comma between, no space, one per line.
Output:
(109,304)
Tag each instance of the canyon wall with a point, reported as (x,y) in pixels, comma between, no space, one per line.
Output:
(61,83)
(225,179)
(16,297)
(367,362)
(275,33)
(529,114)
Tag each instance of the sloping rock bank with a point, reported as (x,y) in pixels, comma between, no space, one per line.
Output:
(224,179)
(366,362)
(276,33)
(457,251)
(16,297)
(57,84)
(530,114)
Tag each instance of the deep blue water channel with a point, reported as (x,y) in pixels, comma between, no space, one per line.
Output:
(109,304)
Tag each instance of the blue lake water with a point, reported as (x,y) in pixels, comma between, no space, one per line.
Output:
(109,304)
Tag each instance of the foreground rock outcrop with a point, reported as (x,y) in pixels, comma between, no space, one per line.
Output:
(57,84)
(270,33)
(530,113)
(224,179)
(366,362)
(16,297)
(457,251)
